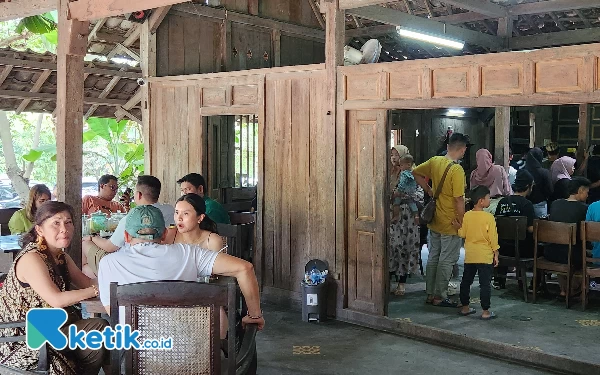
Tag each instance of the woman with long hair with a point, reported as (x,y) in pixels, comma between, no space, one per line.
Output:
(22,220)
(41,277)
(193,225)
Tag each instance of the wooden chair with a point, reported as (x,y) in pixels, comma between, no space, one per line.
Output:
(5,215)
(554,233)
(239,239)
(514,228)
(236,218)
(242,206)
(43,363)
(590,232)
(188,312)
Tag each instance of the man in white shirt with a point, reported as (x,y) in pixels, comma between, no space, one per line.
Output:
(144,258)
(93,248)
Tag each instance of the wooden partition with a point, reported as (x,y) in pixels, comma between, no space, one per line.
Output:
(296,192)
(542,77)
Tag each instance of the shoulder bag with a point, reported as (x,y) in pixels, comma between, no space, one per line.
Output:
(429,210)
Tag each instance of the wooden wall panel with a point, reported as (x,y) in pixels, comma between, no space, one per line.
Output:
(451,82)
(298,192)
(562,75)
(364,86)
(551,76)
(249,46)
(299,170)
(502,80)
(406,84)
(298,51)
(188,45)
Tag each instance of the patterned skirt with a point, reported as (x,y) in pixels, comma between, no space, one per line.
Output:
(404,244)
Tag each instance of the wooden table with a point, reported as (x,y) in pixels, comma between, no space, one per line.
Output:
(10,245)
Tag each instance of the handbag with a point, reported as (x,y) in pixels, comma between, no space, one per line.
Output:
(428,211)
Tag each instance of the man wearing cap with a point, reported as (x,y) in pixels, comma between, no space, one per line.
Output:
(144,258)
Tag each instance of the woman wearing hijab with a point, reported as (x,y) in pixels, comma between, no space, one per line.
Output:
(542,187)
(404,239)
(562,169)
(492,176)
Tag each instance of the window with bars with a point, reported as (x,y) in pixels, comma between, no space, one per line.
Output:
(246,150)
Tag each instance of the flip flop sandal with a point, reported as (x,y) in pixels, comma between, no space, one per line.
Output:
(471,311)
(492,316)
(446,303)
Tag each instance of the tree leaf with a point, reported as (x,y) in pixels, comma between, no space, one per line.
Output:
(123,149)
(53,158)
(51,37)
(89,135)
(32,155)
(101,127)
(36,24)
(49,148)
(117,127)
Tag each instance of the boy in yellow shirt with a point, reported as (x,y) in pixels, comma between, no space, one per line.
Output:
(481,251)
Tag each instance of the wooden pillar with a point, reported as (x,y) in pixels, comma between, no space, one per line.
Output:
(148,65)
(335,118)
(505,29)
(276,40)
(502,130)
(584,120)
(72,46)
(253,7)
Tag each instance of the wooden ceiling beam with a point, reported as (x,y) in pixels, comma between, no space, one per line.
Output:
(551,6)
(559,38)
(480,6)
(52,66)
(157,16)
(36,88)
(16,94)
(462,18)
(398,18)
(111,85)
(24,8)
(86,10)
(317,13)
(349,4)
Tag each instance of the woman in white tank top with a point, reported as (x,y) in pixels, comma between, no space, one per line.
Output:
(193,226)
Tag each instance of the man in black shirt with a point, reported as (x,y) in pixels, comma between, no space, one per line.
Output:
(517,205)
(571,210)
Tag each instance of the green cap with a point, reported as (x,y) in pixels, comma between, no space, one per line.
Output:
(145,222)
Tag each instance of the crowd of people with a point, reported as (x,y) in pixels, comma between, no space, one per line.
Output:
(152,242)
(554,188)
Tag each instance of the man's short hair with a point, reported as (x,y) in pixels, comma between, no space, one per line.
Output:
(458,140)
(576,183)
(478,192)
(195,179)
(149,186)
(106,179)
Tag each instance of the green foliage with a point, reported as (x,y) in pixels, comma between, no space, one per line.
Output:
(40,24)
(109,147)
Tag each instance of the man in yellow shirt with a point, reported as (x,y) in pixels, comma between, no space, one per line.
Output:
(481,251)
(445,243)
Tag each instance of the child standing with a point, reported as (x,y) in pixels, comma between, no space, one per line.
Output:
(405,190)
(481,251)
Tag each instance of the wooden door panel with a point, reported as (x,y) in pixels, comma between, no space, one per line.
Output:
(367,168)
